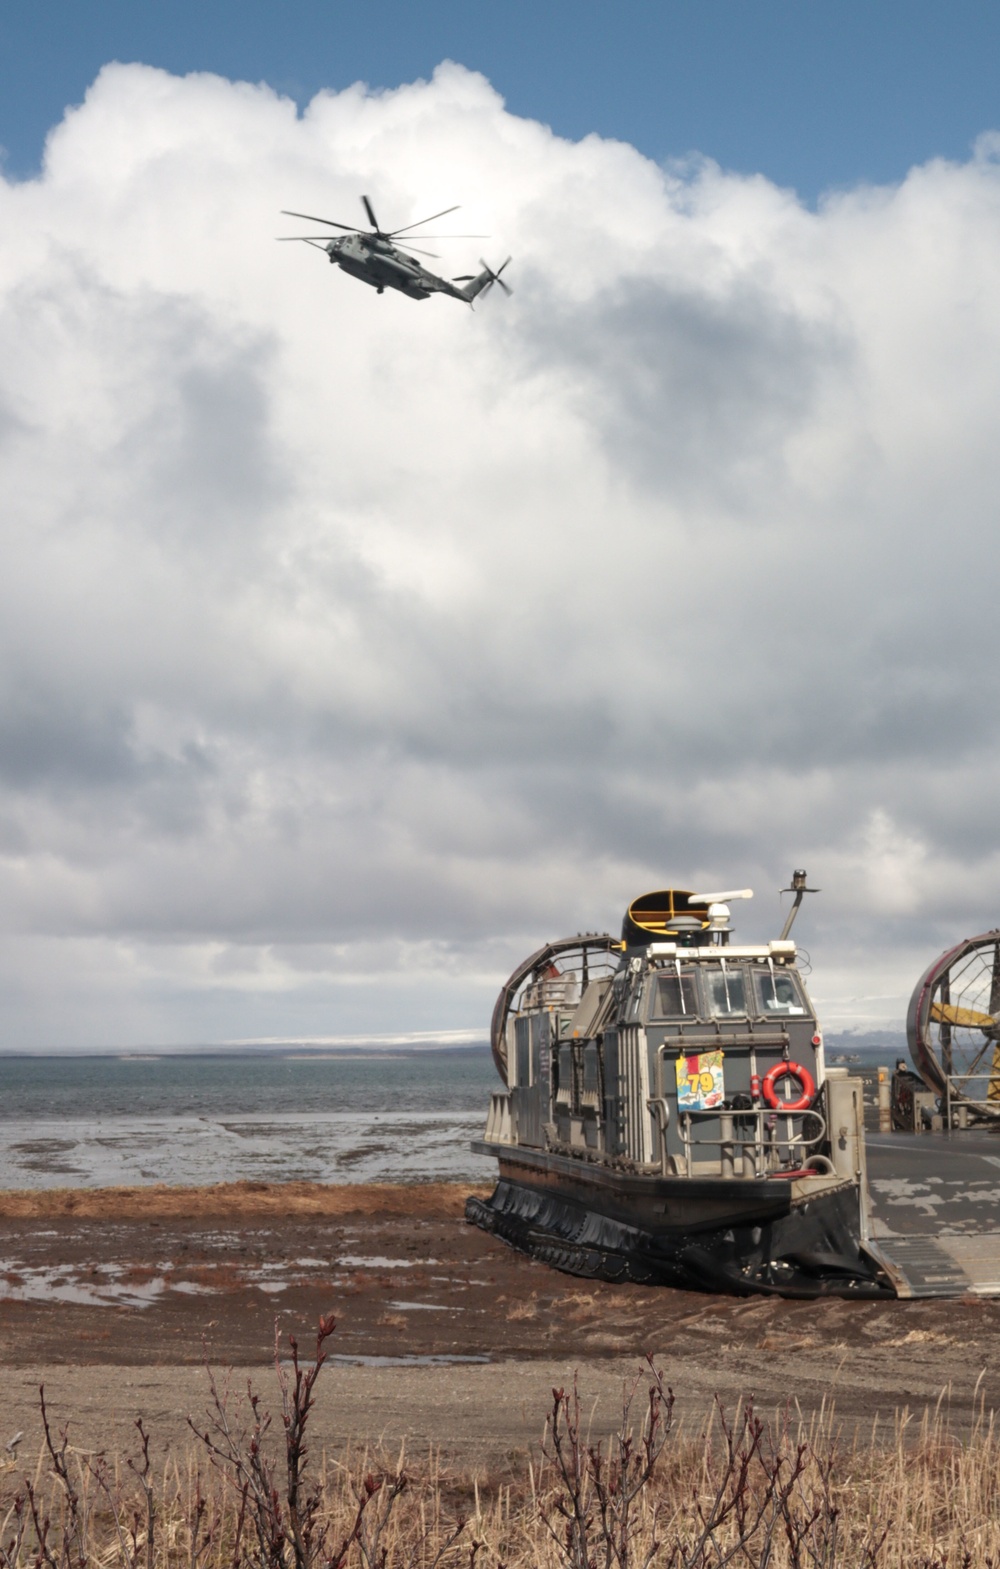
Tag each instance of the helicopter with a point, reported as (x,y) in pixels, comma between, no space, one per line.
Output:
(373,256)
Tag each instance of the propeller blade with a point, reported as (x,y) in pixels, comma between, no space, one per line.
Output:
(419,221)
(371,215)
(965,1018)
(311,218)
(319,241)
(420,252)
(447,237)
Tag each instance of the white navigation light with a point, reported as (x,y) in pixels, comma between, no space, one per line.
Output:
(720,898)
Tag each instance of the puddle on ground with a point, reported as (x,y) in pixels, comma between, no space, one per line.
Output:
(403,1361)
(38,1284)
(379,1261)
(421,1307)
(222,1267)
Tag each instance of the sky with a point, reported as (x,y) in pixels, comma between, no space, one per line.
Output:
(811,95)
(351,646)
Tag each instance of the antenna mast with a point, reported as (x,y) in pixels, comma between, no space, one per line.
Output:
(798,888)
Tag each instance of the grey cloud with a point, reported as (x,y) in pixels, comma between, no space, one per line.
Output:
(202,450)
(695,392)
(44,740)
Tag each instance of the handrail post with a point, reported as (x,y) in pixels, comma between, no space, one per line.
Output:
(658,1105)
(727,1149)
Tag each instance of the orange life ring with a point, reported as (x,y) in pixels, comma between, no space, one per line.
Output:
(784,1070)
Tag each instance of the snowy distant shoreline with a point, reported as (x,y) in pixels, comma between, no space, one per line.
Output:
(457,1041)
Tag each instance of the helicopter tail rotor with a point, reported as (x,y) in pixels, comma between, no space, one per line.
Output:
(494,277)
(483,281)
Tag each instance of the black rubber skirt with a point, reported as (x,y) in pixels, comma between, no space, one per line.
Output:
(813,1250)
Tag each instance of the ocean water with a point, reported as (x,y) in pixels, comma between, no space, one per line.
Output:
(380,1116)
(371,1117)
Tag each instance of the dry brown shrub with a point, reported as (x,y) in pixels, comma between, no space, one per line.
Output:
(744,1491)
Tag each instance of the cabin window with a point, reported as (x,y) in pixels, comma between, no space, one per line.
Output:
(778,992)
(726,991)
(674,997)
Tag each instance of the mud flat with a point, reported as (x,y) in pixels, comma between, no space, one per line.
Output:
(116,1298)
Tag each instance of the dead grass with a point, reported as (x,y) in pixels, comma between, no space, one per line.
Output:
(224,1276)
(579,1305)
(920,1337)
(915,1498)
(139,1274)
(914,1495)
(525,1309)
(239,1200)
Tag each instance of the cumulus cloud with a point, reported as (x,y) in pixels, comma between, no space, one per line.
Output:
(351,645)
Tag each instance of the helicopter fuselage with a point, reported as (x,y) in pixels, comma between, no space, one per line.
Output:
(383,266)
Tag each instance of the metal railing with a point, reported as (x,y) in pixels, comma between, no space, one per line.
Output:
(763,1154)
(957,1105)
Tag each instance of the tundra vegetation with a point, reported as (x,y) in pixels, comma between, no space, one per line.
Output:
(746,1490)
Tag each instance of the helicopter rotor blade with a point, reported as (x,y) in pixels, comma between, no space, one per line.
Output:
(420,221)
(419,252)
(320,242)
(369,209)
(447,237)
(311,218)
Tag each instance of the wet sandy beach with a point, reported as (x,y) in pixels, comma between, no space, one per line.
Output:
(117,1297)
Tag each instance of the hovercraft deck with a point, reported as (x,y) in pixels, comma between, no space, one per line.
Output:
(934,1205)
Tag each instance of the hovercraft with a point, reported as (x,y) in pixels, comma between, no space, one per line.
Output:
(667,1117)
